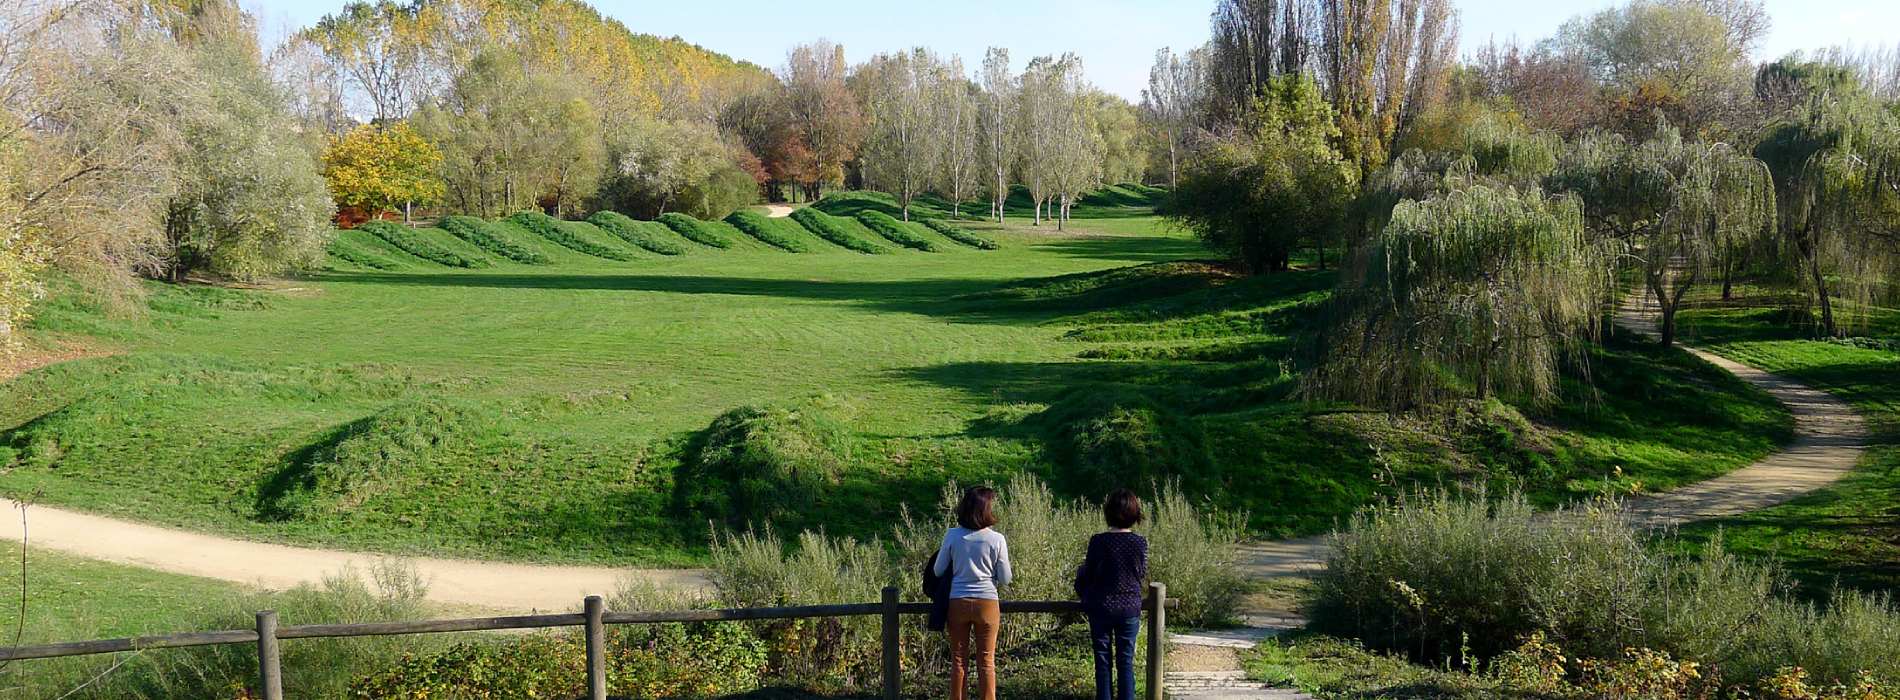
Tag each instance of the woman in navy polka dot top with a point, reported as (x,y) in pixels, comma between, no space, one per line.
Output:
(1109,583)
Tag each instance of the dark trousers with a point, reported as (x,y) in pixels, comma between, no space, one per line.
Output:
(1114,642)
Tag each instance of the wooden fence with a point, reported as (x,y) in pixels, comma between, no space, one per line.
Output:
(594,617)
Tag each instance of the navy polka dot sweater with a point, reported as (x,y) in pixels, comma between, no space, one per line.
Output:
(1109,581)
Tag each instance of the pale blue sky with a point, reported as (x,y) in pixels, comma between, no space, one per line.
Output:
(1116,38)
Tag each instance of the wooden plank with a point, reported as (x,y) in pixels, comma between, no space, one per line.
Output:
(1157,638)
(471,624)
(108,646)
(893,651)
(593,608)
(270,671)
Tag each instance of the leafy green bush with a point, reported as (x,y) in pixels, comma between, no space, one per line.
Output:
(1439,577)
(894,230)
(764,463)
(479,234)
(550,228)
(959,235)
(832,229)
(693,230)
(348,251)
(634,232)
(768,231)
(414,244)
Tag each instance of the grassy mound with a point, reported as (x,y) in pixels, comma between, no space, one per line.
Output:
(777,233)
(695,230)
(366,458)
(483,235)
(553,229)
(410,242)
(895,231)
(835,230)
(764,464)
(639,233)
(348,247)
(1122,436)
(959,235)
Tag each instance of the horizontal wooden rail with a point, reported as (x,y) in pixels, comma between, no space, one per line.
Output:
(267,633)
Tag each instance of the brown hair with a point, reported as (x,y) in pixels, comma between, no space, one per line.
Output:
(1122,509)
(976,511)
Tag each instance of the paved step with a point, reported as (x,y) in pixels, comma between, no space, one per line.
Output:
(1223,685)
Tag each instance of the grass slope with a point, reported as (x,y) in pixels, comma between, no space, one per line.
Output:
(576,411)
(581,238)
(842,232)
(414,243)
(647,235)
(952,232)
(899,232)
(488,237)
(782,233)
(706,233)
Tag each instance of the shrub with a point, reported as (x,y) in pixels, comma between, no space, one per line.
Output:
(480,234)
(693,230)
(767,230)
(550,228)
(832,229)
(365,457)
(1440,577)
(894,230)
(413,243)
(959,235)
(348,251)
(643,661)
(764,463)
(634,232)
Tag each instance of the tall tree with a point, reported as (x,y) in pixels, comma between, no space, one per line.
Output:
(822,113)
(1384,62)
(1683,58)
(1683,208)
(903,139)
(381,168)
(998,121)
(379,46)
(956,107)
(511,140)
(1253,42)
(1173,101)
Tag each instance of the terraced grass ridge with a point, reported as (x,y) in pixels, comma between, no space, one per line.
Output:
(837,230)
(895,231)
(645,234)
(413,243)
(705,233)
(784,234)
(567,235)
(952,232)
(484,235)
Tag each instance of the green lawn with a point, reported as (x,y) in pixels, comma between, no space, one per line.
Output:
(1849,533)
(544,411)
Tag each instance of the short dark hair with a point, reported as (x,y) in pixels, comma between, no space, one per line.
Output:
(977,509)
(1122,509)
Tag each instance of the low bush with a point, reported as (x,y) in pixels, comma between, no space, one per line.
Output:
(832,229)
(551,228)
(635,232)
(894,231)
(694,230)
(480,234)
(348,251)
(761,464)
(768,231)
(1445,578)
(959,235)
(643,661)
(1102,437)
(412,243)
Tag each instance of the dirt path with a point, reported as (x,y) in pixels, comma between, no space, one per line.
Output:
(777,211)
(1829,439)
(483,584)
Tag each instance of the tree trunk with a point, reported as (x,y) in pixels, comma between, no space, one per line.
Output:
(406,213)
(1821,293)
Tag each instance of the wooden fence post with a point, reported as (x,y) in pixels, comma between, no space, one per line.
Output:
(270,672)
(596,648)
(1157,637)
(893,651)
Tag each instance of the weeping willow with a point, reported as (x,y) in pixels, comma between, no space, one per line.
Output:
(1687,210)
(1477,292)
(1837,173)
(1486,148)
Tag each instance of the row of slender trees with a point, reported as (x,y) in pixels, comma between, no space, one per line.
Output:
(1488,211)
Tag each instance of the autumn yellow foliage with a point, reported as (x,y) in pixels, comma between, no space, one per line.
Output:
(380,168)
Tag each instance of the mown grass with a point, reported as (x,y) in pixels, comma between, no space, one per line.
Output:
(483,234)
(570,235)
(951,232)
(844,233)
(350,247)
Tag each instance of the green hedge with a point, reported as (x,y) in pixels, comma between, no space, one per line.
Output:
(550,228)
(693,230)
(633,232)
(959,235)
(827,227)
(348,251)
(767,231)
(414,244)
(894,230)
(479,234)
